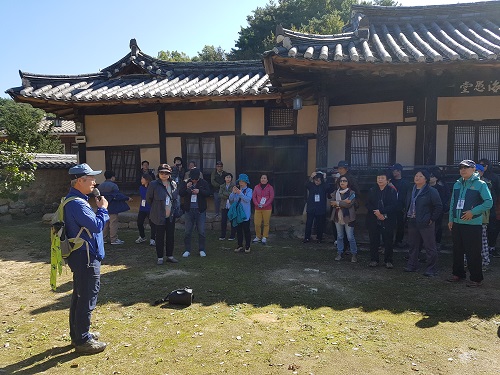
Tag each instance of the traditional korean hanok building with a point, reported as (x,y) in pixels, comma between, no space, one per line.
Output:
(414,85)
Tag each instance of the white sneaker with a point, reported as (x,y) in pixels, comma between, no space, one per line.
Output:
(159,261)
(202,254)
(140,240)
(186,254)
(264,240)
(256,239)
(117,242)
(151,242)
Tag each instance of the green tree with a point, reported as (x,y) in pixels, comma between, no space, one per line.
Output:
(17,169)
(21,123)
(310,16)
(211,53)
(173,56)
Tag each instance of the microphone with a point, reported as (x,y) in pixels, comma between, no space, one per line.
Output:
(97,194)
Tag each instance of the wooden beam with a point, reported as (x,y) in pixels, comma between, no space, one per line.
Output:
(322,132)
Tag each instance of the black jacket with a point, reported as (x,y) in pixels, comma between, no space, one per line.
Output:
(156,196)
(204,188)
(428,206)
(323,190)
(386,201)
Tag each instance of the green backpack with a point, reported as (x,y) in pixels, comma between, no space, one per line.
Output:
(61,246)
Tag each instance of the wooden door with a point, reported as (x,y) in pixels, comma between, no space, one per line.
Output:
(284,160)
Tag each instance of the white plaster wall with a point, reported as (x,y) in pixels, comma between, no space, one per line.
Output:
(307,119)
(252,121)
(199,121)
(228,154)
(97,161)
(336,147)
(117,130)
(174,149)
(441,144)
(371,113)
(472,108)
(405,145)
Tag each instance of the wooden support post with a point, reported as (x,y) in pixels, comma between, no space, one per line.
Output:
(162,134)
(430,128)
(322,132)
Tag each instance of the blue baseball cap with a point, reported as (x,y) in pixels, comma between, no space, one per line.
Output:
(343,164)
(81,170)
(397,167)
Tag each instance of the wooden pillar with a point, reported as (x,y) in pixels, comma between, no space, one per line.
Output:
(322,132)
(162,134)
(430,129)
(237,139)
(426,136)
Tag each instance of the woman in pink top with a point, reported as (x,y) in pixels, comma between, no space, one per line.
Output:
(263,196)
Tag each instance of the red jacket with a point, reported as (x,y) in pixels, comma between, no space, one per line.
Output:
(259,193)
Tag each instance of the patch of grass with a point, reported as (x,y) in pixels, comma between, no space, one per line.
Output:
(284,308)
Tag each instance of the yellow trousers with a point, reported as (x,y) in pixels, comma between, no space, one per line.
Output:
(261,219)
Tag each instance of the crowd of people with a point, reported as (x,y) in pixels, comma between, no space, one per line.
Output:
(392,204)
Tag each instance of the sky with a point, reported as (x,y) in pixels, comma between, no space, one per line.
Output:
(78,37)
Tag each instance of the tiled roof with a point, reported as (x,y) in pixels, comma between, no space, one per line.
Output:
(139,76)
(422,34)
(60,127)
(55,161)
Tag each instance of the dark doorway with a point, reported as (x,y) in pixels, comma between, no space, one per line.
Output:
(284,160)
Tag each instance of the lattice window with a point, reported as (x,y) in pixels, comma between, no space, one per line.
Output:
(281,118)
(370,147)
(124,162)
(476,142)
(203,150)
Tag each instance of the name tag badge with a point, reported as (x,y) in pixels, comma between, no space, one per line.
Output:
(143,203)
(460,204)
(167,201)
(227,204)
(263,200)
(316,197)
(194,198)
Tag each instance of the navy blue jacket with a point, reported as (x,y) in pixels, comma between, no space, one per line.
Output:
(428,206)
(323,190)
(117,201)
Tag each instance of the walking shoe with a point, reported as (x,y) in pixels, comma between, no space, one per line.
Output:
(159,261)
(230,239)
(172,260)
(202,254)
(222,238)
(256,239)
(152,243)
(186,254)
(92,335)
(90,347)
(407,269)
(354,258)
(140,240)
(372,264)
(338,257)
(247,250)
(117,242)
(264,240)
(238,249)
(429,274)
(454,279)
(306,240)
(389,266)
(473,284)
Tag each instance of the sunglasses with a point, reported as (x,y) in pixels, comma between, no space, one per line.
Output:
(464,167)
(343,180)
(164,172)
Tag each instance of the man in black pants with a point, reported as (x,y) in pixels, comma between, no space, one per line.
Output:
(402,186)
(469,200)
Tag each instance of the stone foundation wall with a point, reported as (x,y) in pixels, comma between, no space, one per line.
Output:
(41,197)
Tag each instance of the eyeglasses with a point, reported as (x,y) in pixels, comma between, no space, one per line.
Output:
(464,167)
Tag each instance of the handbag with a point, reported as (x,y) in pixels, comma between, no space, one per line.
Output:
(182,296)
